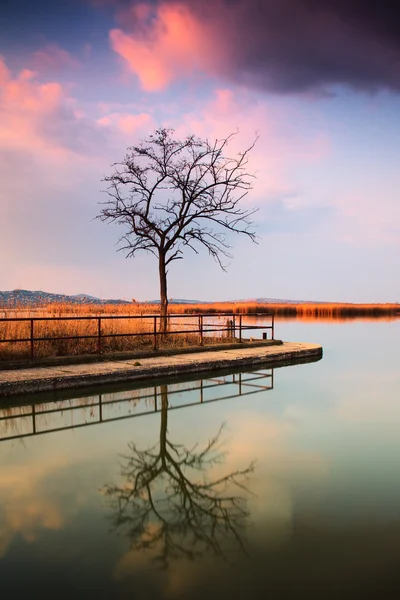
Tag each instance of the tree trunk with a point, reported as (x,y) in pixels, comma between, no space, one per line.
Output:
(163,294)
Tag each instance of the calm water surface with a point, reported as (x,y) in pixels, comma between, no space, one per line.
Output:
(275,484)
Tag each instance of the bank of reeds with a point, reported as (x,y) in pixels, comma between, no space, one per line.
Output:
(139,334)
(145,326)
(332,310)
(292,310)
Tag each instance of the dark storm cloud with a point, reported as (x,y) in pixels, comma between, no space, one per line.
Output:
(299,45)
(278,45)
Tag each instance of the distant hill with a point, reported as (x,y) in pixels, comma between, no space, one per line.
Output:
(179,301)
(39,298)
(280,301)
(244,300)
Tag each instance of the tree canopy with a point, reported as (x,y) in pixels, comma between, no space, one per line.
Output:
(172,194)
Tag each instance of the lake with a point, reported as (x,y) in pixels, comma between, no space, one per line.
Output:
(281,483)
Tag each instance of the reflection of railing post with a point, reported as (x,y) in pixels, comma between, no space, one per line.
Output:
(33,419)
(201,329)
(98,335)
(31,338)
(240,328)
(100,408)
(155,333)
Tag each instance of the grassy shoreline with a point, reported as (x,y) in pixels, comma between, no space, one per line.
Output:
(316,309)
(138,334)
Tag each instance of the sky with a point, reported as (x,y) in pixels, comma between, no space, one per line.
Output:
(318,81)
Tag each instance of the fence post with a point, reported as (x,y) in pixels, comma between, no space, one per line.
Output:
(273,326)
(240,328)
(155,333)
(32,338)
(99,335)
(234,327)
(201,329)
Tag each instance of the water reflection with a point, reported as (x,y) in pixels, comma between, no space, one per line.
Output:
(28,420)
(324,521)
(169,504)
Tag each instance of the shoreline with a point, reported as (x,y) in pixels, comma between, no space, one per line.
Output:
(71,376)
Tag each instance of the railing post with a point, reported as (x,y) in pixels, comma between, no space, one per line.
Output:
(240,328)
(234,327)
(32,353)
(99,335)
(273,326)
(155,333)
(201,329)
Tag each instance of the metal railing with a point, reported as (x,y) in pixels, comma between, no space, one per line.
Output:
(207,325)
(40,418)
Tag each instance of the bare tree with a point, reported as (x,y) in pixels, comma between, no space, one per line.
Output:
(169,194)
(168,510)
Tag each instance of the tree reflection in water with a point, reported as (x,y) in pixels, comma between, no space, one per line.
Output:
(170,507)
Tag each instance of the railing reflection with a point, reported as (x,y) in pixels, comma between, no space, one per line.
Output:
(39,418)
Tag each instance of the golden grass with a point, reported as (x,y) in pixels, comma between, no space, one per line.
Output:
(309,310)
(131,335)
(143,325)
(323,309)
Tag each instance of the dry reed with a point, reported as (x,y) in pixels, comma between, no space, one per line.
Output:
(127,329)
(81,336)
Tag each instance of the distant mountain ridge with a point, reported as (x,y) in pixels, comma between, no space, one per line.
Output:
(40,298)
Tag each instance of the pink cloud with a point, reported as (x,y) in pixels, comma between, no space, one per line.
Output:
(42,116)
(52,59)
(172,43)
(280,145)
(127,123)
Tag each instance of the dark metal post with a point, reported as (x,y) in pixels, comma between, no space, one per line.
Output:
(273,326)
(99,335)
(32,338)
(240,328)
(155,333)
(201,329)
(234,327)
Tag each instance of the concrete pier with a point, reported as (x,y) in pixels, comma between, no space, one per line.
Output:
(69,376)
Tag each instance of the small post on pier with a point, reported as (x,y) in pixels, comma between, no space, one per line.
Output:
(98,335)
(201,329)
(32,354)
(155,333)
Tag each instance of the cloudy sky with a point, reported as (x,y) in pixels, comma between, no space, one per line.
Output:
(317,80)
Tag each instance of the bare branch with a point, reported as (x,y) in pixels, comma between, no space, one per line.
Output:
(170,194)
